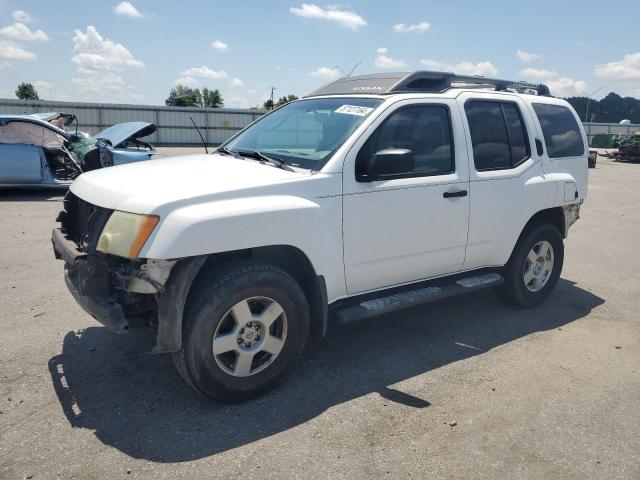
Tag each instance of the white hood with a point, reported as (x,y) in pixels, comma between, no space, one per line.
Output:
(145,187)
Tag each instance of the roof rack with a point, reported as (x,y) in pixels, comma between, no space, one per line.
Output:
(421,82)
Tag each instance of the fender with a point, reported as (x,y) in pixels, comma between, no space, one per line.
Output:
(313,226)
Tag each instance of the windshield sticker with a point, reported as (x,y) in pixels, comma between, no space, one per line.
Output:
(354,110)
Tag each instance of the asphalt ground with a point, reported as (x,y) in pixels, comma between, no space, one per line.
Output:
(465,388)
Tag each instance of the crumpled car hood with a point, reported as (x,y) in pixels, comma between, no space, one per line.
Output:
(121,132)
(147,187)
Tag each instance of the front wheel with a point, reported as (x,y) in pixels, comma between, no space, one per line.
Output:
(534,267)
(244,329)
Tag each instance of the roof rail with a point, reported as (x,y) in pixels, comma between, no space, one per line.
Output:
(419,82)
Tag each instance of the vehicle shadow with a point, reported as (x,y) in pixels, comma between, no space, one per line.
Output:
(31,195)
(137,403)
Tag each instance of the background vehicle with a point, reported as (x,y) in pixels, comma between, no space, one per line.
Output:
(374,193)
(36,151)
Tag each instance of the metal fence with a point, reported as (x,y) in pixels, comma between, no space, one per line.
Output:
(174,126)
(592,129)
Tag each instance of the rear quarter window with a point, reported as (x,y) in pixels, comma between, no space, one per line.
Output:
(561,132)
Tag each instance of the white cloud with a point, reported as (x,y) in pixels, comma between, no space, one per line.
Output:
(220,46)
(6,65)
(383,60)
(10,50)
(204,72)
(126,9)
(565,86)
(187,82)
(21,16)
(559,85)
(417,28)
(43,85)
(538,73)
(526,57)
(99,85)
(628,67)
(236,82)
(486,69)
(326,73)
(331,13)
(95,53)
(19,31)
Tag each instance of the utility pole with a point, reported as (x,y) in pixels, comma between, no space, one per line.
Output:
(589,95)
(272,90)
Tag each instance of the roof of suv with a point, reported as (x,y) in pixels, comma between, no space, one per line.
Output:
(421,82)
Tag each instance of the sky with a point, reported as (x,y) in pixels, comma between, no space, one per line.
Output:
(135,52)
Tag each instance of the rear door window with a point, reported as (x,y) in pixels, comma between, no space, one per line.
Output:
(498,135)
(561,131)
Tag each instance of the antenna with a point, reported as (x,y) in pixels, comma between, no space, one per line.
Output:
(350,71)
(201,137)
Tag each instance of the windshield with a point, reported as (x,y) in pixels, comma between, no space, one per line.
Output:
(305,133)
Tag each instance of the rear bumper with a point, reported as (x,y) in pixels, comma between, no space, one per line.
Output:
(88,281)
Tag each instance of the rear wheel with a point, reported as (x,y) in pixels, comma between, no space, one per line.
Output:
(244,329)
(534,267)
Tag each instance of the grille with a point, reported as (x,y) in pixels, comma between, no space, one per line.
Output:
(82,221)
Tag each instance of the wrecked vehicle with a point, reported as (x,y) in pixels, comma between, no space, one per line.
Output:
(37,151)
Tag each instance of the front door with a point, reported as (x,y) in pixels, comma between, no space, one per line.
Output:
(411,226)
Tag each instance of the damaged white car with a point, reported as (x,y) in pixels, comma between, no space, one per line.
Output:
(37,151)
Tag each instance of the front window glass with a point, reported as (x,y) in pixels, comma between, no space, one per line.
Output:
(305,133)
(423,129)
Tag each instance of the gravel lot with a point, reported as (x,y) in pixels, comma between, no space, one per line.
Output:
(466,388)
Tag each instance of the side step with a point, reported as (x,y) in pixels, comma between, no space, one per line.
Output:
(410,298)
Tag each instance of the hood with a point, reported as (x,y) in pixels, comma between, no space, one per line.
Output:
(121,132)
(149,187)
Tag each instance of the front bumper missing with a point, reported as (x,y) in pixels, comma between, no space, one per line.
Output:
(88,282)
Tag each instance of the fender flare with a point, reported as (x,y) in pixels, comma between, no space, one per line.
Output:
(171,303)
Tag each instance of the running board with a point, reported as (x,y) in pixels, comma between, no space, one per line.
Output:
(410,298)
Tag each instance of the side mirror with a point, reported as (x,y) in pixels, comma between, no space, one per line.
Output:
(390,162)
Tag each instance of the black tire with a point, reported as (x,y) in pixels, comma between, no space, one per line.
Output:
(514,291)
(212,298)
(592,163)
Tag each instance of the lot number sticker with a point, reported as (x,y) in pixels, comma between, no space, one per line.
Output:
(354,110)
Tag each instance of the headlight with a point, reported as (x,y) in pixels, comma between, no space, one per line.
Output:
(125,233)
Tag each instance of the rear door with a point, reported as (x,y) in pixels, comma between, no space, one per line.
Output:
(400,230)
(507,181)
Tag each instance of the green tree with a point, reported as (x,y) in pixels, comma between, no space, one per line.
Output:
(610,109)
(26,91)
(268,105)
(284,100)
(212,98)
(183,96)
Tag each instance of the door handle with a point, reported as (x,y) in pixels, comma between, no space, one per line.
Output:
(457,193)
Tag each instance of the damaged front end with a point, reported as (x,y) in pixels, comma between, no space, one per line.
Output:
(118,292)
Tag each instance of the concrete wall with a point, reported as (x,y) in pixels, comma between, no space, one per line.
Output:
(174,126)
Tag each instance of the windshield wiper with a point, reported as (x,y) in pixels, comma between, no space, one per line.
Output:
(262,158)
(226,151)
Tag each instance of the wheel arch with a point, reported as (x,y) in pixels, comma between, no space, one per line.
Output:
(177,292)
(554,216)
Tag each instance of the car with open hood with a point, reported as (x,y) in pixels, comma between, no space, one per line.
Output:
(37,150)
(373,193)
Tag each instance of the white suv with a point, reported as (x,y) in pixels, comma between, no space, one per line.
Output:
(373,193)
